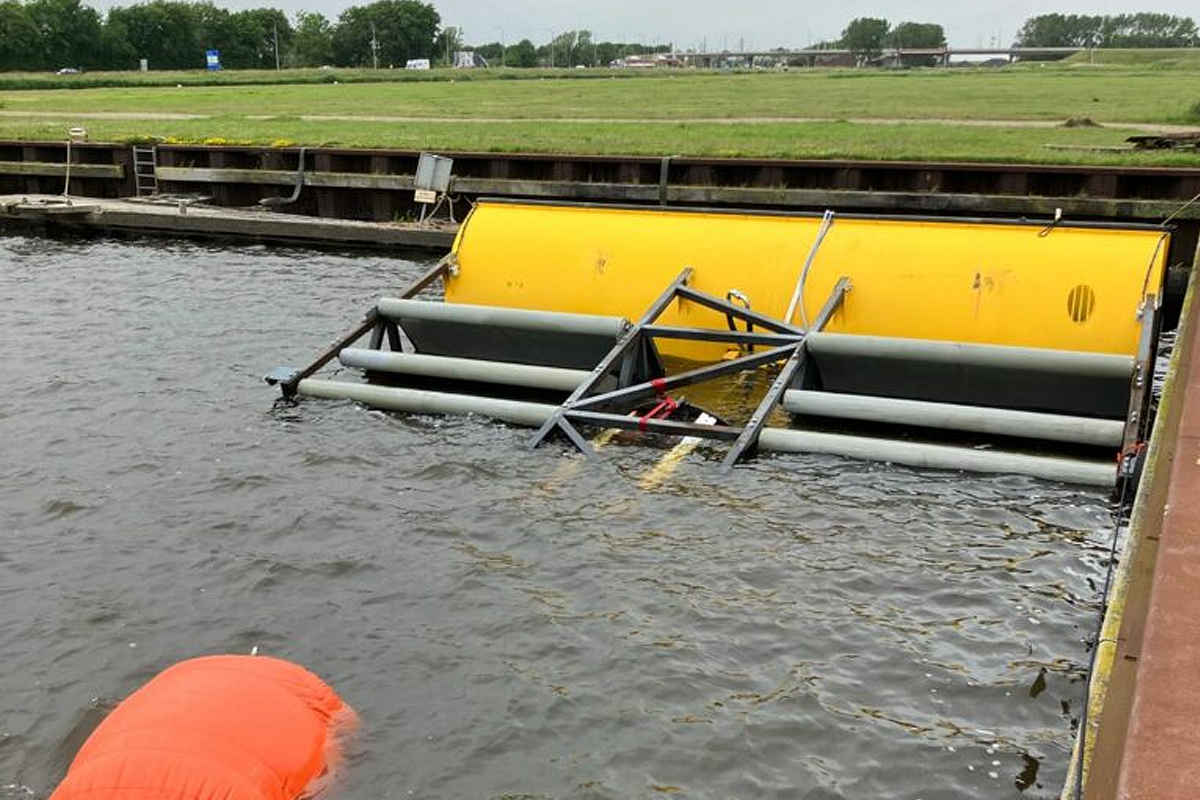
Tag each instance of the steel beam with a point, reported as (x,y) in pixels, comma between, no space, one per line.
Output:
(747,441)
(370,321)
(713,335)
(631,395)
(744,314)
(631,337)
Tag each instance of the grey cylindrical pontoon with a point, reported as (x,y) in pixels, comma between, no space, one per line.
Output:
(1023,378)
(496,316)
(519,336)
(940,456)
(1096,473)
(948,416)
(464,369)
(988,356)
(420,401)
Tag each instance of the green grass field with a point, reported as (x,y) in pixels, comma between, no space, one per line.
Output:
(1166,59)
(1007,114)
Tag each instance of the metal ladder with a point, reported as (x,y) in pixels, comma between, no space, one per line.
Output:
(145,170)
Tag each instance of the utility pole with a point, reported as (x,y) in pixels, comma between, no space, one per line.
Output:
(551,47)
(502,47)
(374,47)
(275,27)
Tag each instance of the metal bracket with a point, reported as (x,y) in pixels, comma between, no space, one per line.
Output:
(664,172)
(1139,382)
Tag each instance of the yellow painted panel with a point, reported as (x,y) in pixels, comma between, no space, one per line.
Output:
(989,283)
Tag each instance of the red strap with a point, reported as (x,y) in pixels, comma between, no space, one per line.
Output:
(664,409)
(1133,450)
(659,385)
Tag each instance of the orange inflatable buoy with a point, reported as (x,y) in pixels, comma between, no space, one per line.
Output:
(214,728)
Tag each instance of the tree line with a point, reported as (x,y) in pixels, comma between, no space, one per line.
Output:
(570,49)
(170,34)
(174,34)
(1113,30)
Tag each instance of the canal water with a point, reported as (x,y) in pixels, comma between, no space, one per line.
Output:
(508,624)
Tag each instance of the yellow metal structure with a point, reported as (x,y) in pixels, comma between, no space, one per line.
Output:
(1066,287)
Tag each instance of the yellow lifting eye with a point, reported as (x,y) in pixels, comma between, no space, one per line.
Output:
(1081,301)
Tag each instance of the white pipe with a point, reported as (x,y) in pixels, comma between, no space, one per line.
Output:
(464,369)
(947,416)
(933,456)
(501,317)
(798,293)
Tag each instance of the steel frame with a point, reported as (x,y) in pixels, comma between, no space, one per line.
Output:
(610,409)
(289,378)
(1139,388)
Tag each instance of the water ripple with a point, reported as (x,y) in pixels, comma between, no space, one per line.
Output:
(510,624)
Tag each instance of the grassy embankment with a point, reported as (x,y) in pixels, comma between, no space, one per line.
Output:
(1007,114)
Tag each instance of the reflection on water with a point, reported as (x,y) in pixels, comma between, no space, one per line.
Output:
(509,624)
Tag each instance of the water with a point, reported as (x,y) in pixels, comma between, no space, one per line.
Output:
(507,624)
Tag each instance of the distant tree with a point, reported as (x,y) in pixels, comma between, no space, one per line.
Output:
(521,54)
(917,34)
(1120,30)
(404,29)
(165,33)
(115,50)
(865,36)
(921,35)
(312,41)
(492,53)
(449,41)
(608,52)
(1148,30)
(19,48)
(585,51)
(220,30)
(558,52)
(1060,30)
(254,31)
(67,33)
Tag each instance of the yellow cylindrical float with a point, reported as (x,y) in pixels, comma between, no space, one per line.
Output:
(1067,287)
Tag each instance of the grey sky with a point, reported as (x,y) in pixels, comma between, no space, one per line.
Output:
(726,23)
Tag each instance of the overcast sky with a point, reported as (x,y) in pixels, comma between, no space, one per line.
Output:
(761,24)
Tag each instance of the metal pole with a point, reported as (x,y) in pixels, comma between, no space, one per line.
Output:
(275,26)
(374,47)
(915,454)
(464,369)
(950,416)
(67,183)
